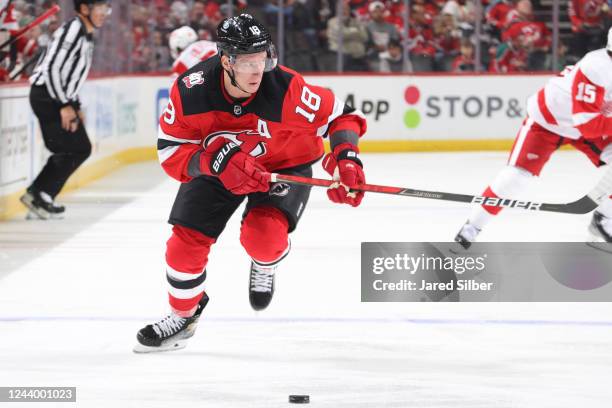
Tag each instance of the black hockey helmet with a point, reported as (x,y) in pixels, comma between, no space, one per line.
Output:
(243,34)
(77,3)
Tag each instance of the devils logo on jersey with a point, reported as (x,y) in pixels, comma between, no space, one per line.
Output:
(249,141)
(279,189)
(193,79)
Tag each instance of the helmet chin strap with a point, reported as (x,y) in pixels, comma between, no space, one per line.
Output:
(88,17)
(232,76)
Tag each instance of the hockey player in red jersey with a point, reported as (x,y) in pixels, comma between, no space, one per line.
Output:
(187,50)
(230,120)
(572,109)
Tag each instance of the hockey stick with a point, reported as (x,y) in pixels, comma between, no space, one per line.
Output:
(37,21)
(25,66)
(582,206)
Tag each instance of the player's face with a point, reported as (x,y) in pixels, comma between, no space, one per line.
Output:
(99,13)
(249,70)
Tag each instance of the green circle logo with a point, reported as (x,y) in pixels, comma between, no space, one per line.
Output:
(412,118)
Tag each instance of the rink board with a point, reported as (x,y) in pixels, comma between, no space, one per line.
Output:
(404,112)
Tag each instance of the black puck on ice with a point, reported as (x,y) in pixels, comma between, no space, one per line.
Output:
(299,399)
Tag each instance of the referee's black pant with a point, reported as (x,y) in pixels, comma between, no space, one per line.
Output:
(69,149)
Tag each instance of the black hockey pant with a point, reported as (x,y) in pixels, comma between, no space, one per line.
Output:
(69,149)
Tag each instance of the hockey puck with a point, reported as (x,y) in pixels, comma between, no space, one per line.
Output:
(299,399)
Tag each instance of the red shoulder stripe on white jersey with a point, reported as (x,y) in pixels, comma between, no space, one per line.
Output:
(546,113)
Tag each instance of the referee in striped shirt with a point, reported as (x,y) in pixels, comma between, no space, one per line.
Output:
(60,73)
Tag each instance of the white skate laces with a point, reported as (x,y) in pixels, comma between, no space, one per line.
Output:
(262,278)
(46,197)
(169,325)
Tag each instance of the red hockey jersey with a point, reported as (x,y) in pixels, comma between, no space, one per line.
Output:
(281,125)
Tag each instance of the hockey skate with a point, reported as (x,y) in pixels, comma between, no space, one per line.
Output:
(466,235)
(41,205)
(600,228)
(170,333)
(261,285)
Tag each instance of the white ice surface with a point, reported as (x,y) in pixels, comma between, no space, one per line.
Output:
(73,293)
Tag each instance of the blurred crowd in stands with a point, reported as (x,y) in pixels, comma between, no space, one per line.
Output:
(515,35)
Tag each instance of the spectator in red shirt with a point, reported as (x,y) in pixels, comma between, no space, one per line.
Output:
(430,10)
(536,39)
(531,36)
(523,11)
(421,40)
(9,56)
(587,18)
(496,15)
(510,56)
(361,9)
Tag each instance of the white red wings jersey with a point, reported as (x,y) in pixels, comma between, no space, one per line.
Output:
(281,125)
(575,103)
(196,52)
(7,17)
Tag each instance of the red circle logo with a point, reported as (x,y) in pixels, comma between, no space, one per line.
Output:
(412,95)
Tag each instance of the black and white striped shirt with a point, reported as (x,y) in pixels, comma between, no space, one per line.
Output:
(66,62)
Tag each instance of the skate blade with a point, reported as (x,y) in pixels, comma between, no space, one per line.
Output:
(37,215)
(175,345)
(456,248)
(34,213)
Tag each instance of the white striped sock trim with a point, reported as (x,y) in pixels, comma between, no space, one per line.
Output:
(186,293)
(181,276)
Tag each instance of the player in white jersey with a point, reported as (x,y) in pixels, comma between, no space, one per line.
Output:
(7,18)
(574,108)
(187,50)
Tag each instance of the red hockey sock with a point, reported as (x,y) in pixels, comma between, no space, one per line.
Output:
(186,257)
